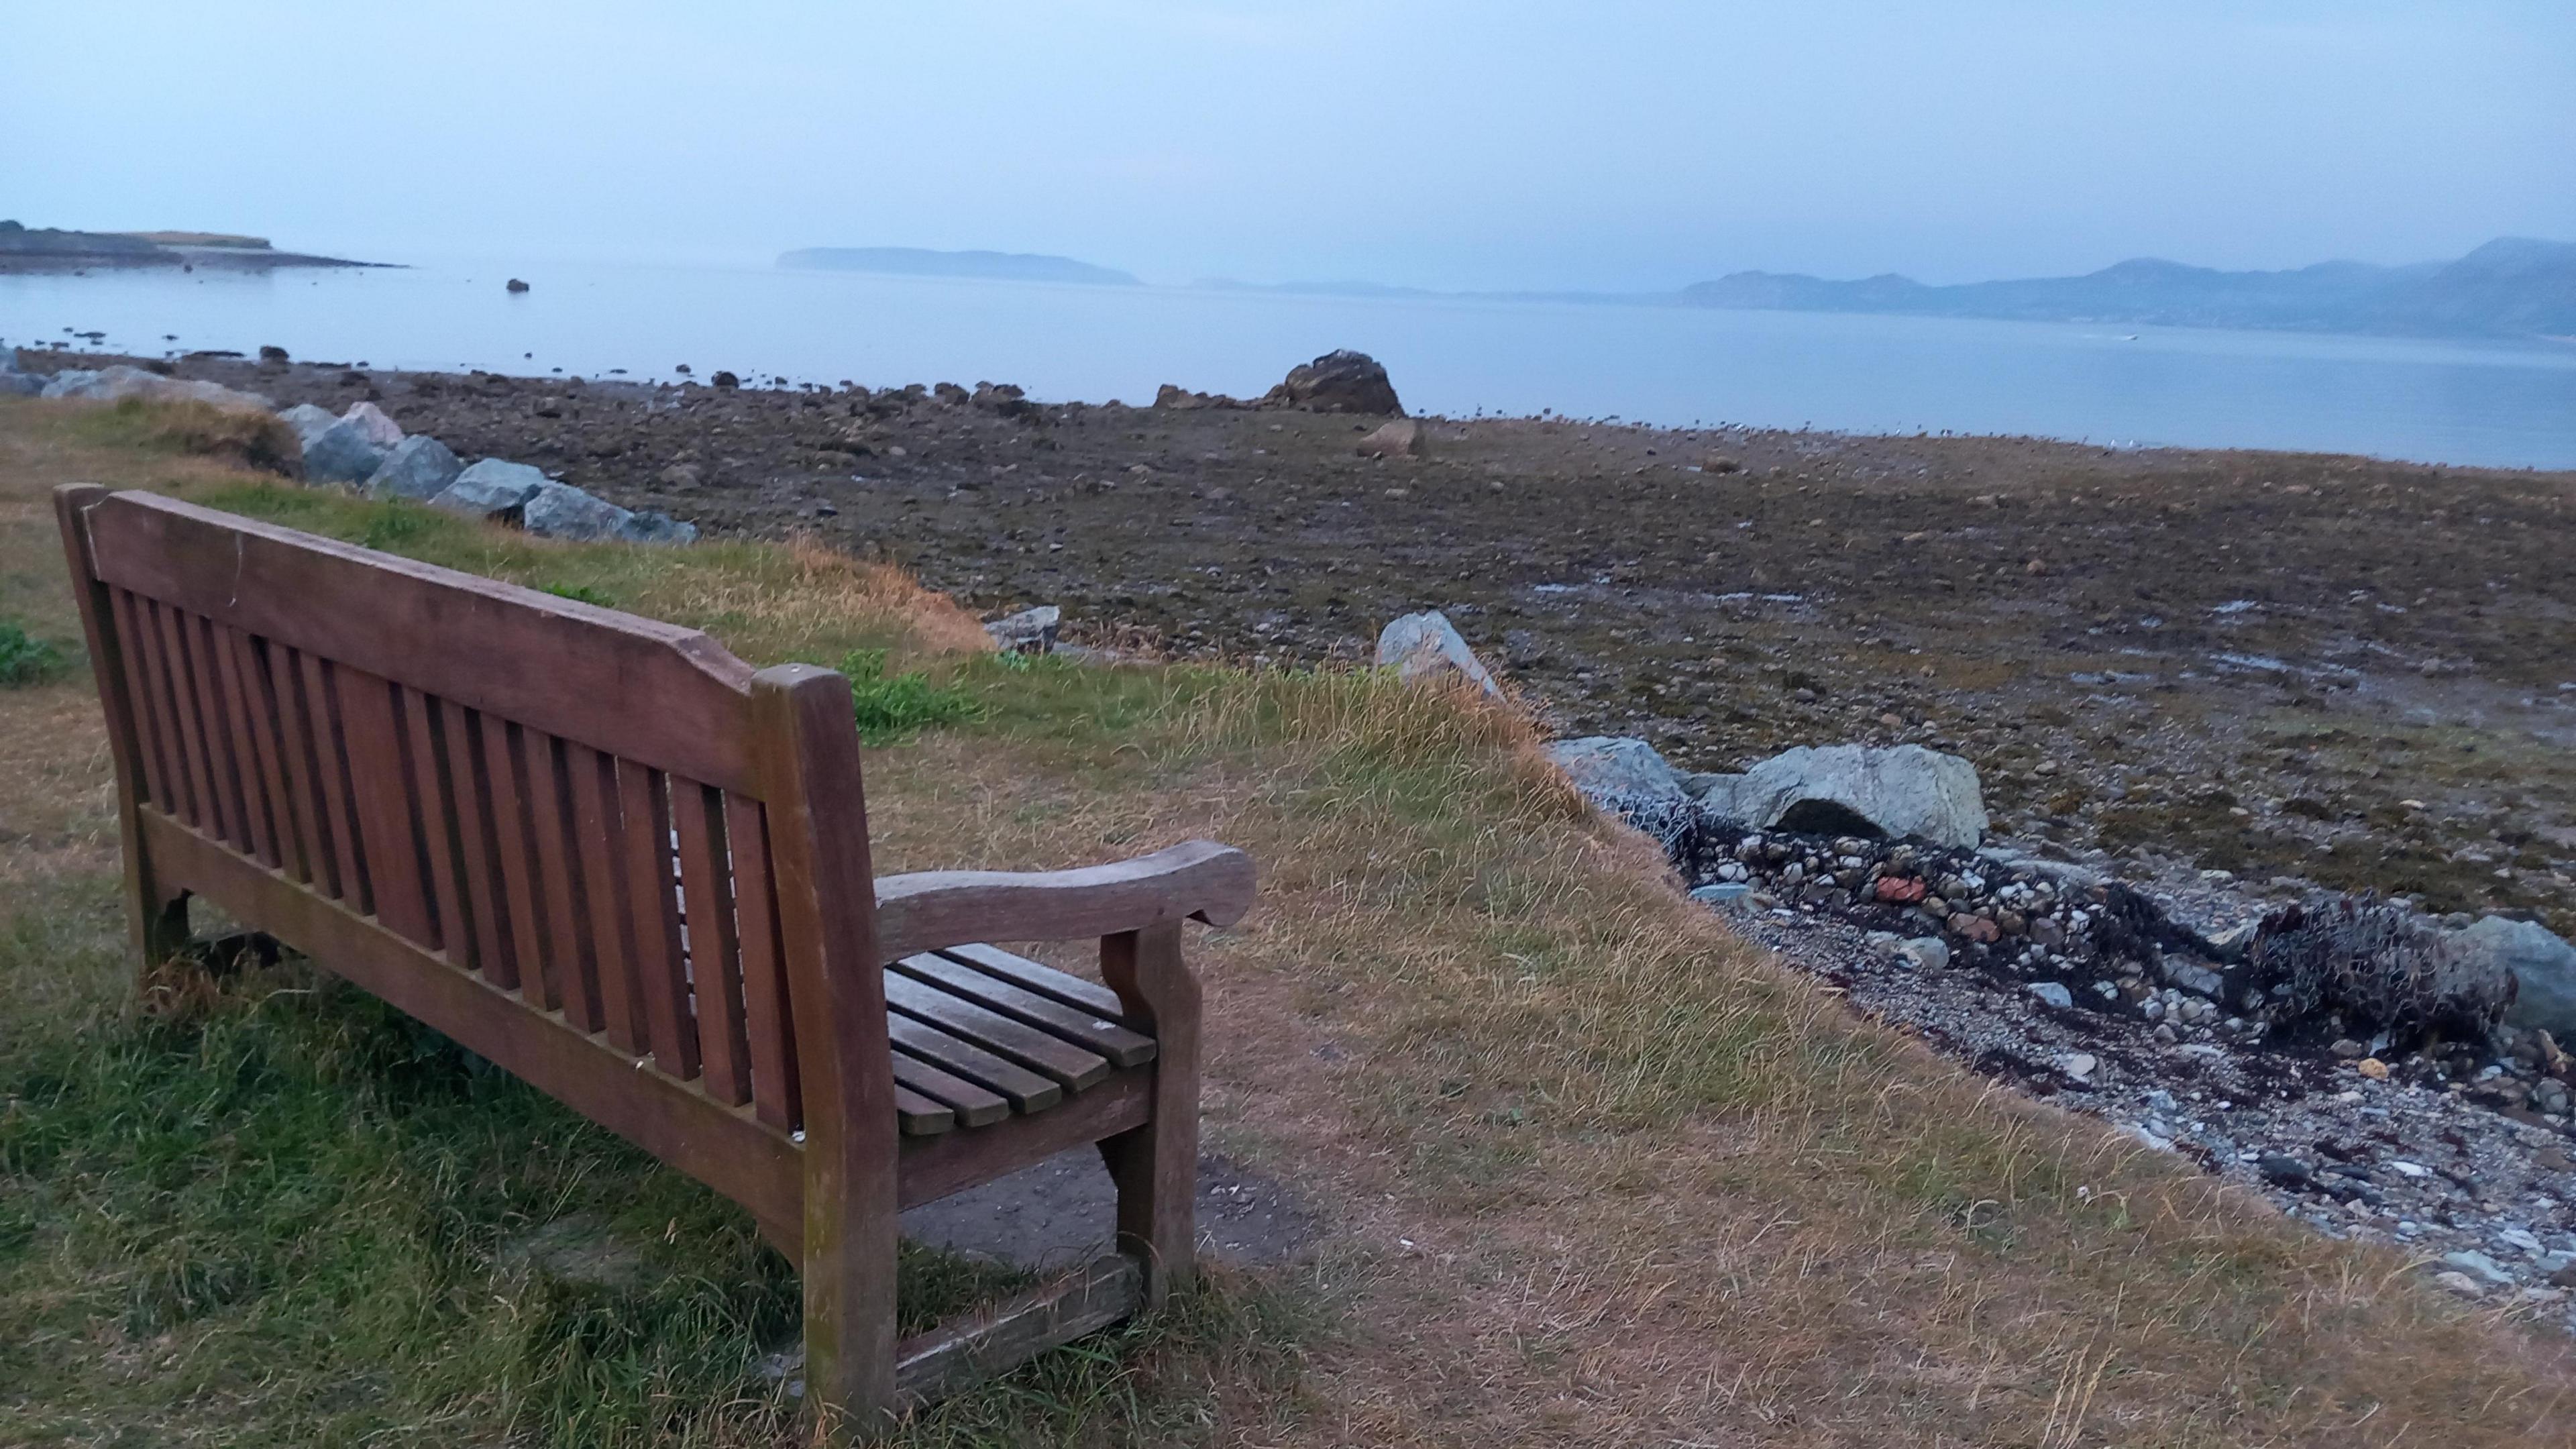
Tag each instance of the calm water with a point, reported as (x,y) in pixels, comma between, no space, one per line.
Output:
(2503,404)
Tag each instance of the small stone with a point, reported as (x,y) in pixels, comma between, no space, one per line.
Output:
(2479,1266)
(2459,1283)
(2078,1065)
(2054,993)
(679,475)
(1030,631)
(2165,1035)
(1930,953)
(2373,1068)
(2348,1049)
(514,286)
(1427,646)
(1899,890)
(2283,1170)
(1721,892)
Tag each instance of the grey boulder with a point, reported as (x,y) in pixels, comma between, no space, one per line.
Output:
(370,419)
(1616,771)
(491,489)
(559,510)
(341,453)
(2543,967)
(14,383)
(308,421)
(1030,631)
(419,467)
(1854,790)
(644,525)
(1427,646)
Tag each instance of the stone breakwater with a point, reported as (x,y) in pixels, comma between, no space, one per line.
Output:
(364,450)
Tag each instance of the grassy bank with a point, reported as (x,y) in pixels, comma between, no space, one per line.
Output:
(1590,1170)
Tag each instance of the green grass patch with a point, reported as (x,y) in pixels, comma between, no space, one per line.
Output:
(892,708)
(25,659)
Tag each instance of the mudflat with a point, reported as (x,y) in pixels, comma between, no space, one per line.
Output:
(2343,670)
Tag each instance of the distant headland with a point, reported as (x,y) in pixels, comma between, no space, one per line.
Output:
(53,249)
(987,266)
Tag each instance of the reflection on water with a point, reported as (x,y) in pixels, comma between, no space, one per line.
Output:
(2511,404)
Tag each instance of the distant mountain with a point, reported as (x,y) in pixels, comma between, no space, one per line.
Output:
(2509,287)
(991,266)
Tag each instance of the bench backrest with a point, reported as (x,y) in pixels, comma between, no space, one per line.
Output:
(607,822)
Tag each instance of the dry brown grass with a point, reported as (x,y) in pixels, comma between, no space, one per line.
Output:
(1595,1172)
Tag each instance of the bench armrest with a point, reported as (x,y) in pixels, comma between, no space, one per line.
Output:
(1198,879)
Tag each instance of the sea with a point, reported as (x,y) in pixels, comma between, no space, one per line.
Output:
(2500,403)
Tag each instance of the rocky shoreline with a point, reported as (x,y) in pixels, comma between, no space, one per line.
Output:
(2198,697)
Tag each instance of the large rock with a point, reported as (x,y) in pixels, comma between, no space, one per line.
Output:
(646,526)
(1426,646)
(14,383)
(115,384)
(341,453)
(1615,771)
(1401,438)
(559,510)
(1854,790)
(491,489)
(308,421)
(380,430)
(1337,382)
(419,467)
(1030,631)
(2543,967)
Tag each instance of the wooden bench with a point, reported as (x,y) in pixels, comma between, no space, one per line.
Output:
(611,857)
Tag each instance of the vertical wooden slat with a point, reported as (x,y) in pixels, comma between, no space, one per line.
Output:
(469,776)
(296,763)
(607,949)
(534,900)
(573,963)
(715,957)
(380,794)
(214,727)
(238,743)
(296,845)
(254,748)
(152,735)
(319,691)
(434,815)
(161,675)
(652,895)
(767,1025)
(203,811)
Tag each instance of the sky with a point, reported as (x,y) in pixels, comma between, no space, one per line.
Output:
(1589,144)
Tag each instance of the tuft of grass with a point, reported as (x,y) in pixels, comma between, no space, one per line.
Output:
(257,441)
(25,659)
(892,708)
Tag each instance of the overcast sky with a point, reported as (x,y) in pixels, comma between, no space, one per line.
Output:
(1589,143)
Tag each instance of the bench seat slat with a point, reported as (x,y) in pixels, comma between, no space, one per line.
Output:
(1085,1029)
(1041,978)
(919,1115)
(594,989)
(1025,1090)
(1076,1067)
(974,1106)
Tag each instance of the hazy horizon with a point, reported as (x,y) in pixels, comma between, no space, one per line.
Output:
(1460,147)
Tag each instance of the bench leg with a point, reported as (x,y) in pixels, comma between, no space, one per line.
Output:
(849,1273)
(160,926)
(1155,1167)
